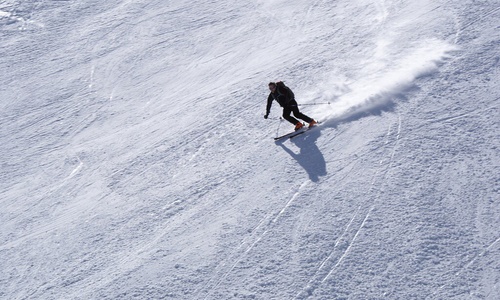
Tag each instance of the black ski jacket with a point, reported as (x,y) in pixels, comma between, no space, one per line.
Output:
(284,96)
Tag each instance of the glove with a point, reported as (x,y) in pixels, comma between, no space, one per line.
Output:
(266,115)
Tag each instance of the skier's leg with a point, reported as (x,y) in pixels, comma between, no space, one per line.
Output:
(286,115)
(300,115)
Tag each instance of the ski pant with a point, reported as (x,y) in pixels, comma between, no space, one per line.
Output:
(293,107)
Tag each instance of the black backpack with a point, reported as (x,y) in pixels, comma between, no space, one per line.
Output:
(284,90)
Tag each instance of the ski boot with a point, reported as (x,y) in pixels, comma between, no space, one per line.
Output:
(298,126)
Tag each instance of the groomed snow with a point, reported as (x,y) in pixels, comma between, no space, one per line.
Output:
(136,162)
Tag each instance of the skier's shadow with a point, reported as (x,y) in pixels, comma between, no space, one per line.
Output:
(309,156)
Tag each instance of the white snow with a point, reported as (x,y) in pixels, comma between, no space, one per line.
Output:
(136,162)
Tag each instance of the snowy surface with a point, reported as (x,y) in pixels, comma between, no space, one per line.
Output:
(136,163)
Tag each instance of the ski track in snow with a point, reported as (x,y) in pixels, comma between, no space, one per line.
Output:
(361,215)
(246,245)
(465,267)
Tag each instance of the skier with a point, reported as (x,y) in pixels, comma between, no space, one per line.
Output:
(286,99)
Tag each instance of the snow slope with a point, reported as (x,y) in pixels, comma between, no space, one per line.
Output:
(135,162)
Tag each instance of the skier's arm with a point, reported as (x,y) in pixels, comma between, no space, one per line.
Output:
(269,104)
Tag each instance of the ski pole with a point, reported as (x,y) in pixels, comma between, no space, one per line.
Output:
(316,103)
(279,125)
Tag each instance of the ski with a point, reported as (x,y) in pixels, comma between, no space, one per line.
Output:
(291,134)
(299,133)
(296,133)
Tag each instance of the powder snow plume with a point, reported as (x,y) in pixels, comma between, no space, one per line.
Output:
(383,82)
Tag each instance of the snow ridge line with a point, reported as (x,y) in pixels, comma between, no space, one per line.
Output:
(266,225)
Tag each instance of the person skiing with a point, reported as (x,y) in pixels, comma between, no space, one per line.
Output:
(286,99)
